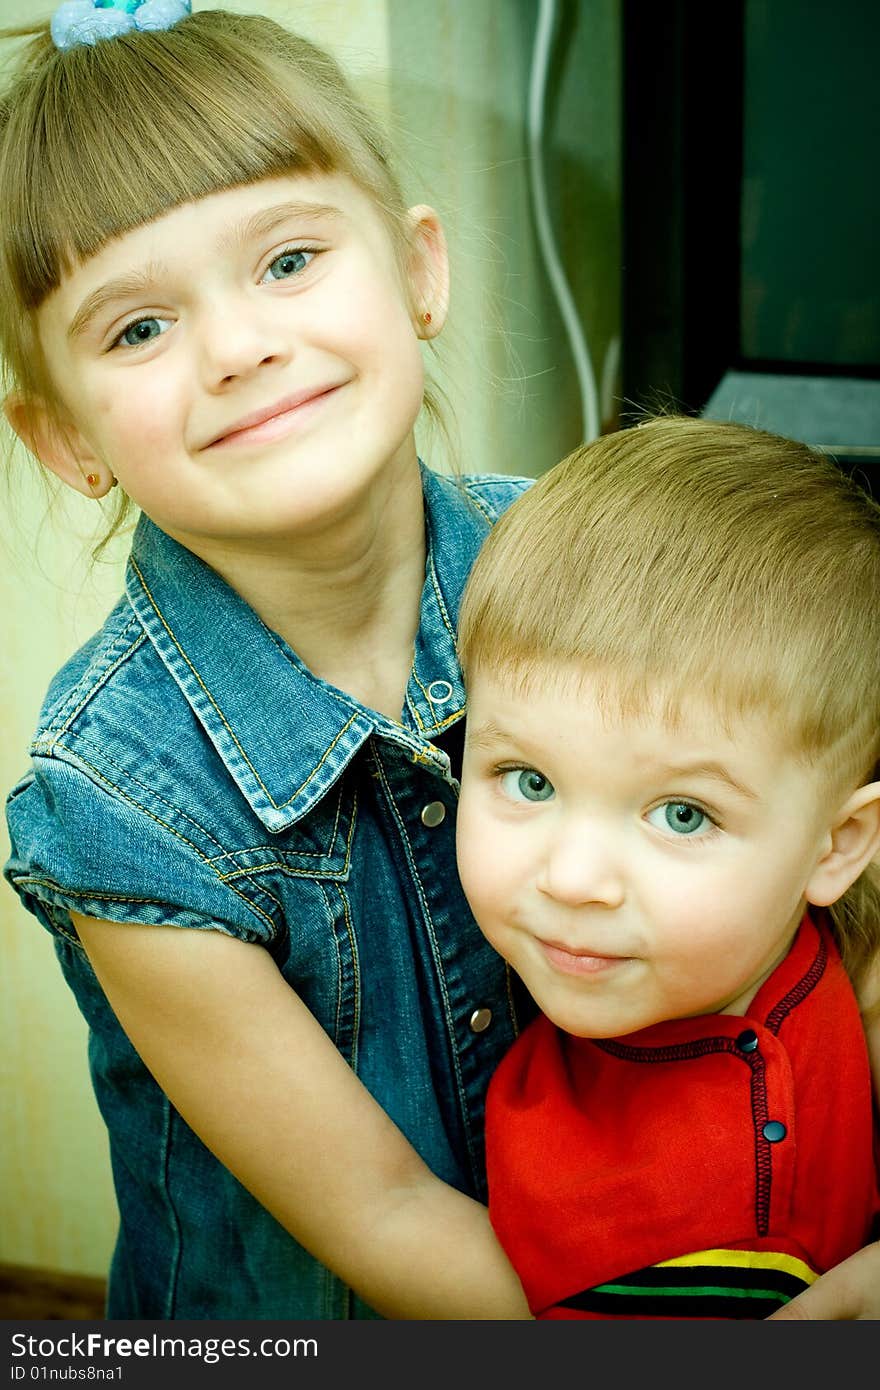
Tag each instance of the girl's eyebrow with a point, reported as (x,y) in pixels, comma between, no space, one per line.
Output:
(268,219)
(134,284)
(138,282)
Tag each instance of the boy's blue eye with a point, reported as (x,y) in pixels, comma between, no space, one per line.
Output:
(287,264)
(681,817)
(526,784)
(143,331)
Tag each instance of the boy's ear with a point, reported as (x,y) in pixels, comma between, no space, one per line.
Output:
(854,842)
(428,270)
(59,446)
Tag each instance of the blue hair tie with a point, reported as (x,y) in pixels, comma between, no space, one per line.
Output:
(86,21)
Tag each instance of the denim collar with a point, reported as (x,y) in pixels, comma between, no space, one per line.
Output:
(284,735)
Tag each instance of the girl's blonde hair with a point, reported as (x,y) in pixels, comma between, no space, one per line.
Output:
(97,140)
(683,558)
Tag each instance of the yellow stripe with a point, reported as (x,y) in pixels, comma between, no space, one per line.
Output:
(748,1259)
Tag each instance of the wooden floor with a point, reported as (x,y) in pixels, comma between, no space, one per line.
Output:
(30,1295)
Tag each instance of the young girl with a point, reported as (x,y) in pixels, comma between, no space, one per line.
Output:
(239,821)
(239,824)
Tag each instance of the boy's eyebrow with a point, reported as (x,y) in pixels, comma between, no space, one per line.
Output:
(487,735)
(714,771)
(139,281)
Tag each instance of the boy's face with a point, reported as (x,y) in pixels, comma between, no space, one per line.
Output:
(631,872)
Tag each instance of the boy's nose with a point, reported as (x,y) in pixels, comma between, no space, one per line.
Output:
(580,868)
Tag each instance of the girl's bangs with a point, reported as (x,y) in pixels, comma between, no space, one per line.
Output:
(114,154)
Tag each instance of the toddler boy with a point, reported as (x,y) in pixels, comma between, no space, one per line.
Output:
(670,805)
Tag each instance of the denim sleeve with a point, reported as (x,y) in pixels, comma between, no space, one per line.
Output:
(78,847)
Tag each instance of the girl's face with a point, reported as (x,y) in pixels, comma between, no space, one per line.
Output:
(247,365)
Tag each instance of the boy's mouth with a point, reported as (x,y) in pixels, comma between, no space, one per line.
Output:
(580,962)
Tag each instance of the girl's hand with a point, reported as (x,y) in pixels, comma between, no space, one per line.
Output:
(850,1290)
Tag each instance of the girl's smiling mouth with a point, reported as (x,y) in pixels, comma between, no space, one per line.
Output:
(274,421)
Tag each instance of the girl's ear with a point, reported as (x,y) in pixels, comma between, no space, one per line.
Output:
(59,446)
(854,842)
(428,271)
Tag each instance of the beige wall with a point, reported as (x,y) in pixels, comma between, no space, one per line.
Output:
(450,76)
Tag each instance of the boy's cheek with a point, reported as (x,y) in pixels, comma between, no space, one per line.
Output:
(473,845)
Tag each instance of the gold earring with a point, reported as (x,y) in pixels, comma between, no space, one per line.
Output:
(426,316)
(93,479)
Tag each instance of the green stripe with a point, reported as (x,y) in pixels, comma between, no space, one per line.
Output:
(704,1275)
(681,1291)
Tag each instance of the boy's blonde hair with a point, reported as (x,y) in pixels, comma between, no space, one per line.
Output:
(685,557)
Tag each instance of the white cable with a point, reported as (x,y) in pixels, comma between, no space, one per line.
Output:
(541,54)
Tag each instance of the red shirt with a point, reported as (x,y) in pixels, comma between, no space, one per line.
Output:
(741,1147)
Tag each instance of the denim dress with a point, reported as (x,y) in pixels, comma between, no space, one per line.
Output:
(189,770)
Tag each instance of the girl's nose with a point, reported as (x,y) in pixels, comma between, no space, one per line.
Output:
(236,340)
(581,867)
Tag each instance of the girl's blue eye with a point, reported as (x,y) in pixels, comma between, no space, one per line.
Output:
(526,784)
(143,331)
(681,817)
(287,264)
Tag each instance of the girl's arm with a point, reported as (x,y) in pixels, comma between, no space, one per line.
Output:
(852,1289)
(256,1077)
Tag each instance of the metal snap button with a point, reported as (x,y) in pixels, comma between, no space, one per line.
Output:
(433,814)
(439,692)
(480,1020)
(747,1040)
(773,1131)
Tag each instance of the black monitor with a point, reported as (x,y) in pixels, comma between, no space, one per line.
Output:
(751,216)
